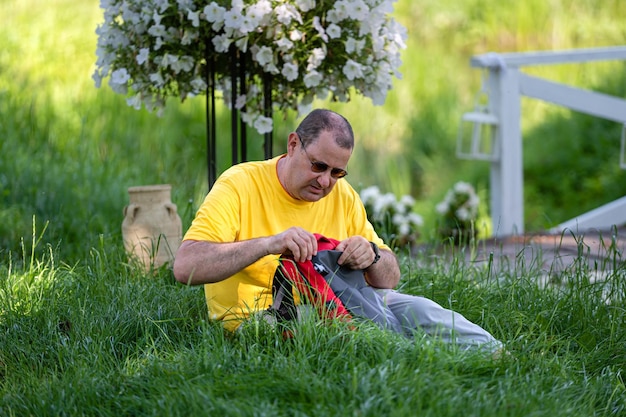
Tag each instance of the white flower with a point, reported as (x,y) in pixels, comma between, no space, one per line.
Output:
(263,124)
(416,219)
(462,214)
(358,10)
(315,59)
(407,201)
(285,13)
(233,19)
(333,31)
(442,208)
(240,102)
(157,30)
(384,203)
(264,56)
(221,43)
(120,76)
(213,12)
(157,79)
(142,56)
(295,35)
(134,101)
(463,188)
(369,194)
(194,17)
(399,208)
(460,204)
(290,71)
(305,5)
(404,229)
(262,8)
(312,79)
(198,84)
(339,12)
(353,70)
(320,29)
(284,44)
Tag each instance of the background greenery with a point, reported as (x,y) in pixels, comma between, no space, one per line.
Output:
(83,332)
(69,151)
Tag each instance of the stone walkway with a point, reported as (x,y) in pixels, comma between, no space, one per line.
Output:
(555,253)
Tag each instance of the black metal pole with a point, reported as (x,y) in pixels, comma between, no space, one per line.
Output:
(242,125)
(267,108)
(210,117)
(233,100)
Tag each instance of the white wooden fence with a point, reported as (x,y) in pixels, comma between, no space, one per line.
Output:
(496,134)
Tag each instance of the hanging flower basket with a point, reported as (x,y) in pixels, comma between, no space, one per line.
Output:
(151,50)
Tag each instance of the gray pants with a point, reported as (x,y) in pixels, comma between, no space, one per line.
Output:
(417,313)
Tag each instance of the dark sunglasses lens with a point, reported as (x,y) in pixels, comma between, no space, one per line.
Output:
(322,167)
(319,166)
(338,173)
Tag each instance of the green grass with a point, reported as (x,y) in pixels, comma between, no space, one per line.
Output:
(102,338)
(83,332)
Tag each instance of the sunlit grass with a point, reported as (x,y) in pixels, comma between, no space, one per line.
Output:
(104,338)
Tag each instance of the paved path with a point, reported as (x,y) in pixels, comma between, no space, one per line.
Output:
(554,253)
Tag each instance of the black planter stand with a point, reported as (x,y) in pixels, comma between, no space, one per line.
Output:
(238,75)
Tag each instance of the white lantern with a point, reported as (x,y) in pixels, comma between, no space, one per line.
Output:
(477,138)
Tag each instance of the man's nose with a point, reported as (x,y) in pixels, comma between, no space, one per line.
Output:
(324,180)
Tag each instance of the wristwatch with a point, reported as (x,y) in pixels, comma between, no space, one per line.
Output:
(376,252)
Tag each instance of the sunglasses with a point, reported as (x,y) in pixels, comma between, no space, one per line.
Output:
(320,167)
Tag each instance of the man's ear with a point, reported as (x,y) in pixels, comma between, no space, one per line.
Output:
(292,143)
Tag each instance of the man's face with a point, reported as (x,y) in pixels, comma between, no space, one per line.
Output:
(303,182)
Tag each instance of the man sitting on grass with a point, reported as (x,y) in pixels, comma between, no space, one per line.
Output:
(257,211)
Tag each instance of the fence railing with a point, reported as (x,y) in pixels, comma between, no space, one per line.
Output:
(495,132)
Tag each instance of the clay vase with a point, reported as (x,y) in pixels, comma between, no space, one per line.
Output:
(152,229)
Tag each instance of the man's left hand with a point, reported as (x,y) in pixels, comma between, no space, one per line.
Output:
(357,253)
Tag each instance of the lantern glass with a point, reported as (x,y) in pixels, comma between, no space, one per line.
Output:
(477,138)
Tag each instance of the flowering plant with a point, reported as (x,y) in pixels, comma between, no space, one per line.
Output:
(458,212)
(394,220)
(152,49)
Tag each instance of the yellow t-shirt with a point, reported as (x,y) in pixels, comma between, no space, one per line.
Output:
(248,201)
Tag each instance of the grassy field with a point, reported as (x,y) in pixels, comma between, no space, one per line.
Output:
(83,332)
(102,338)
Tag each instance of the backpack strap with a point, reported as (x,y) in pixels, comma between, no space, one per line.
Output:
(283,305)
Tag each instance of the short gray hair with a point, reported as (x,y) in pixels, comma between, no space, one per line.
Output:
(323,120)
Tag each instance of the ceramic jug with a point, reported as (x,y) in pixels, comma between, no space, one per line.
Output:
(152,228)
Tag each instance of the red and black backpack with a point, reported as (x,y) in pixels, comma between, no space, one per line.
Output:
(336,292)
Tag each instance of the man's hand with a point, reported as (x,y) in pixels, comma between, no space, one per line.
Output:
(357,253)
(296,241)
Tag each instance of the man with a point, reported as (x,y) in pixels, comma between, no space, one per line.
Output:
(257,211)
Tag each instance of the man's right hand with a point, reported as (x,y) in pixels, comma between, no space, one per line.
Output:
(296,241)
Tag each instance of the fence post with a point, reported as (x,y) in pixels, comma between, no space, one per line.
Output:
(507,179)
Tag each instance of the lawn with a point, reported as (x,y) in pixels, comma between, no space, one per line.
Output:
(105,338)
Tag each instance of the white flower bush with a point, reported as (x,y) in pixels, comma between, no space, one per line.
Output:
(154,49)
(458,212)
(393,219)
